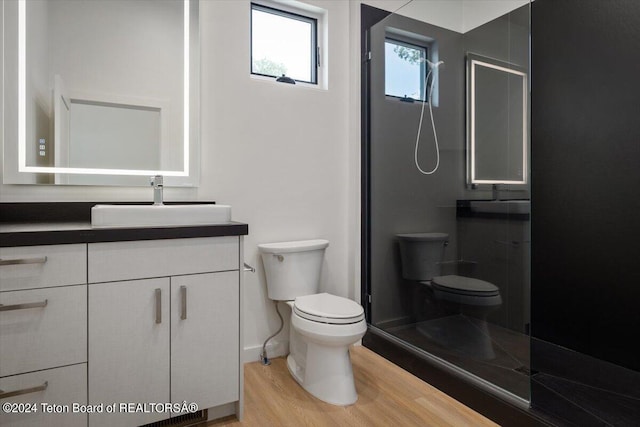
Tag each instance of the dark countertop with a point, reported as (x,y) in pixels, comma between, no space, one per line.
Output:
(30,224)
(463,210)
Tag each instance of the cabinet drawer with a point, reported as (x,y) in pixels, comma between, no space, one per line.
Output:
(31,267)
(36,336)
(64,386)
(159,258)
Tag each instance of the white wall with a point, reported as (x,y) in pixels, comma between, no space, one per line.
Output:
(277,153)
(443,13)
(455,15)
(479,12)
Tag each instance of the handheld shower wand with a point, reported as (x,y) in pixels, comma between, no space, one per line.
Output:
(432,66)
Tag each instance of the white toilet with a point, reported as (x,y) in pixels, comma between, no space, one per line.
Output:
(323,326)
(421,256)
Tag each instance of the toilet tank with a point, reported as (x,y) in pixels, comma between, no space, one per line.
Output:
(421,254)
(292,268)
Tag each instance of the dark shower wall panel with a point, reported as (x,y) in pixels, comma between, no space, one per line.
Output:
(401,199)
(586,176)
(506,39)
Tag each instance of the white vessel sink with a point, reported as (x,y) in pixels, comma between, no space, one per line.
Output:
(501,206)
(158,215)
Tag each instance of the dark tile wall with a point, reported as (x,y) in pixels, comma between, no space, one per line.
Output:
(401,200)
(585,277)
(586,176)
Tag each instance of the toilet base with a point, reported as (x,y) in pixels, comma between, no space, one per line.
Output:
(458,333)
(328,374)
(472,338)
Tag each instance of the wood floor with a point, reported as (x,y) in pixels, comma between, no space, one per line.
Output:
(387,396)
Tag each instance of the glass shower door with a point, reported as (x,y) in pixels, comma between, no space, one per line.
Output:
(469,305)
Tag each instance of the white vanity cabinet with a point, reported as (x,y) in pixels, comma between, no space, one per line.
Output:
(164,325)
(128,349)
(205,334)
(43,333)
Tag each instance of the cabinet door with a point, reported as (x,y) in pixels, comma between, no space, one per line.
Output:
(205,358)
(128,348)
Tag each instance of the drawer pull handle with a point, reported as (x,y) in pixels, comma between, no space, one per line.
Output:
(183,294)
(7,394)
(158,305)
(20,261)
(24,306)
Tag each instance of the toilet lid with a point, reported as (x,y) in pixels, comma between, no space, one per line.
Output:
(296,246)
(423,237)
(465,286)
(327,308)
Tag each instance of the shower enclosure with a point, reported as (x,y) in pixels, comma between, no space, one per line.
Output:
(478,196)
(528,325)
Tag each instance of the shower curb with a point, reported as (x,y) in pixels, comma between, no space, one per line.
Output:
(488,404)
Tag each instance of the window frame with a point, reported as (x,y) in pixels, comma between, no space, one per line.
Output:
(401,41)
(314,47)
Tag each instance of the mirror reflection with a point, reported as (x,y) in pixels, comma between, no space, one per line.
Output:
(104,89)
(497,125)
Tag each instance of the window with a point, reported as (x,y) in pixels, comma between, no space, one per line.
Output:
(283,42)
(405,69)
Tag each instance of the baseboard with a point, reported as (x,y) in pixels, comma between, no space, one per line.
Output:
(221,411)
(274,349)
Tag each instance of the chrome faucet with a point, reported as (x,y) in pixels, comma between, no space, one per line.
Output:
(156,183)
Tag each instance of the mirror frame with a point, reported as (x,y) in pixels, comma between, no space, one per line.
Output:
(15,169)
(472,61)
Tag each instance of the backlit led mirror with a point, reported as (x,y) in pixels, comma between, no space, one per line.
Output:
(497,126)
(101,92)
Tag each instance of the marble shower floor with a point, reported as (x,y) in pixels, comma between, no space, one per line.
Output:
(491,352)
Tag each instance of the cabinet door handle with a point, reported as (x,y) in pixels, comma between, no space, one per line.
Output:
(158,305)
(7,394)
(20,261)
(24,306)
(183,295)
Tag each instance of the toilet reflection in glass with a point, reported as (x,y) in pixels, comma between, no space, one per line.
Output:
(422,255)
(323,326)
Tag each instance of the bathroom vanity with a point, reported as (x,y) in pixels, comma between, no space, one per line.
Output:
(136,317)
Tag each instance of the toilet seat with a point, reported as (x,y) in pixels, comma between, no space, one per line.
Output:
(465,286)
(465,290)
(327,308)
